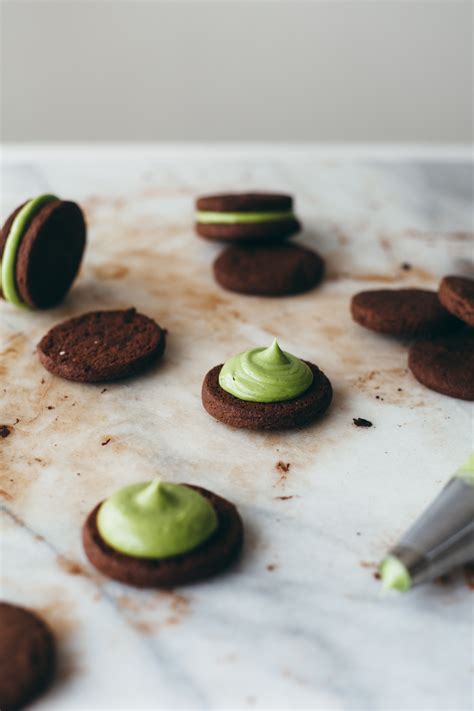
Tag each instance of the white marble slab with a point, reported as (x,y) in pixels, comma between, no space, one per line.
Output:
(300,622)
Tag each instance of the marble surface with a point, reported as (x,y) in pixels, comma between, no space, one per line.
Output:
(300,621)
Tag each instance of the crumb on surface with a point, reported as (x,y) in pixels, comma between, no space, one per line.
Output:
(283,466)
(5,430)
(106,441)
(361,422)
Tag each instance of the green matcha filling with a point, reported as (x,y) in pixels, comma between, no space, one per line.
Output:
(241,218)
(156,520)
(10,251)
(265,375)
(394,574)
(466,472)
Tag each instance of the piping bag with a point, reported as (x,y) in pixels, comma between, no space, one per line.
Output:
(441,539)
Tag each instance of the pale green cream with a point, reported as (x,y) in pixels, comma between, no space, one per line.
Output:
(394,574)
(265,375)
(12,244)
(156,519)
(466,472)
(241,218)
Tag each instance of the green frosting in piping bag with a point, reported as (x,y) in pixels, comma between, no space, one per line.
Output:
(466,472)
(156,519)
(241,218)
(394,574)
(265,375)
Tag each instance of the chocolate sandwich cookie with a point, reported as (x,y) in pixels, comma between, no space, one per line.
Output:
(157,534)
(402,312)
(246,217)
(41,248)
(457,296)
(266,389)
(278,270)
(27,656)
(102,345)
(445,364)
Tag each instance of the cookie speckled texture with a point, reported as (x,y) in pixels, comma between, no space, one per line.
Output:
(279,270)
(457,296)
(289,414)
(446,364)
(402,312)
(271,231)
(102,346)
(27,656)
(245,202)
(206,560)
(50,253)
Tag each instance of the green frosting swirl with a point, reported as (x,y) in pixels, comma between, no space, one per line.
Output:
(12,244)
(240,218)
(265,375)
(156,519)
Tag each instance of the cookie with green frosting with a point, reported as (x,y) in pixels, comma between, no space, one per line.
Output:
(158,534)
(246,217)
(41,247)
(266,389)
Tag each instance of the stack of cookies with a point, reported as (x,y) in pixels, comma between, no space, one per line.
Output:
(259,260)
(442,357)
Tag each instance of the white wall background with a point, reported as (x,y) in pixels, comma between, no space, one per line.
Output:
(338,70)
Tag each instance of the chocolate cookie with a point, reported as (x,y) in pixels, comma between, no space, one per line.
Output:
(48,255)
(457,295)
(207,559)
(279,270)
(246,217)
(402,312)
(102,345)
(266,415)
(27,656)
(446,364)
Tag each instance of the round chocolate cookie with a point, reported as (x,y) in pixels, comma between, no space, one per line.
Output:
(246,217)
(457,295)
(266,415)
(402,312)
(102,345)
(279,270)
(49,252)
(27,656)
(446,364)
(207,559)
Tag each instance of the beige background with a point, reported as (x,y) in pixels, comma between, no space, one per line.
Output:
(324,71)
